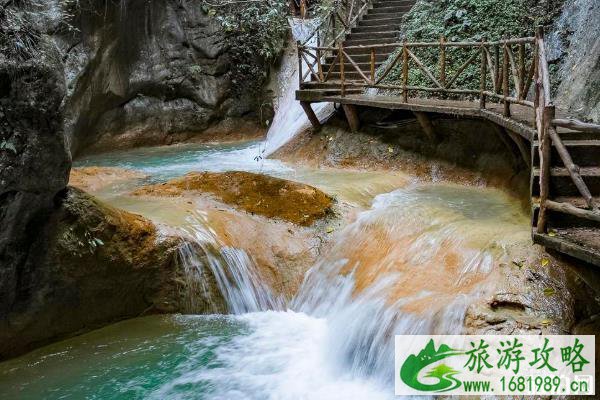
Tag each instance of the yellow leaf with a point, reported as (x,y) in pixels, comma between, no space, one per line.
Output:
(549,291)
(552,233)
(329,229)
(545,262)
(546,322)
(390,150)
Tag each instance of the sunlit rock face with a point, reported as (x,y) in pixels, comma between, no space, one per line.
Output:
(573,43)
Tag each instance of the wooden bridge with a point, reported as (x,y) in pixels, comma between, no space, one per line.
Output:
(354,59)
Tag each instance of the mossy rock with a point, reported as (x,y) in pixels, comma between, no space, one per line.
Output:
(254,193)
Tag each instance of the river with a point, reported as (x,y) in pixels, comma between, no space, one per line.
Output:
(411,261)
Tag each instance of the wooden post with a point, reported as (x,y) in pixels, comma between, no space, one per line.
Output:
(312,117)
(522,77)
(299,47)
(536,72)
(482,74)
(426,125)
(505,83)
(545,148)
(351,116)
(497,68)
(320,66)
(404,72)
(442,61)
(341,52)
(372,65)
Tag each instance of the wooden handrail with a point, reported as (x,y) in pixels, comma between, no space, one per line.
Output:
(576,125)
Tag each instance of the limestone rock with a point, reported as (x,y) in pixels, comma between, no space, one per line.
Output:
(573,43)
(257,194)
(94,265)
(95,178)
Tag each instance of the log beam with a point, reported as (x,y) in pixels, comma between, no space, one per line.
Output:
(312,117)
(352,117)
(426,125)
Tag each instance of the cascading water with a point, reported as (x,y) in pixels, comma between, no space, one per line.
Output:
(235,273)
(290,118)
(412,263)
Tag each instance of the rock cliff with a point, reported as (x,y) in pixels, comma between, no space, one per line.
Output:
(143,73)
(574,46)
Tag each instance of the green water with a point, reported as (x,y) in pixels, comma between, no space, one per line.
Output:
(329,345)
(130,359)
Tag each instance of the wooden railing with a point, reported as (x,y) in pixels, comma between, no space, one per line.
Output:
(503,75)
(507,71)
(333,28)
(546,124)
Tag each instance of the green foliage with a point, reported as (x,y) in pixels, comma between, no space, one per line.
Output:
(255,33)
(466,20)
(22,31)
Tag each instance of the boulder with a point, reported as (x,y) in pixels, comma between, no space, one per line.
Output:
(95,265)
(254,193)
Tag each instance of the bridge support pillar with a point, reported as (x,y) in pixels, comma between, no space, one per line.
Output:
(426,125)
(351,116)
(312,117)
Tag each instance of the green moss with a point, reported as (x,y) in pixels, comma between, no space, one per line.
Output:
(255,34)
(466,20)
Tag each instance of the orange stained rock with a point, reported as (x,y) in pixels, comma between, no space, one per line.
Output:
(95,178)
(254,193)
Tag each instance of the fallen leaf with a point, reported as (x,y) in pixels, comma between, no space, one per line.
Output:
(545,262)
(329,229)
(390,150)
(552,233)
(549,291)
(546,322)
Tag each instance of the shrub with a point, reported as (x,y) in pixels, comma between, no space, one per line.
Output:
(466,20)
(255,33)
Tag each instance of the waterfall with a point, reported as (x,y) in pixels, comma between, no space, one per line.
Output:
(412,264)
(290,118)
(237,277)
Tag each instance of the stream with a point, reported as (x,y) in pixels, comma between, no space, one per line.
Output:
(411,261)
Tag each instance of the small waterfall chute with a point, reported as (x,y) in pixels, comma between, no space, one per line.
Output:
(237,277)
(290,119)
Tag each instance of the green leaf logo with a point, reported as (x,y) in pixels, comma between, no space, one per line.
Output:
(413,365)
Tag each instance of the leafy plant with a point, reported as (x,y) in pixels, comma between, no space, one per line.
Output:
(466,20)
(255,34)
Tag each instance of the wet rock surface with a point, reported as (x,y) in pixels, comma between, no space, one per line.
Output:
(96,265)
(96,178)
(138,72)
(399,144)
(34,168)
(573,44)
(254,193)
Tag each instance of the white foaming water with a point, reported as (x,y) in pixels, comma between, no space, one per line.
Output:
(336,341)
(284,357)
(290,118)
(236,275)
